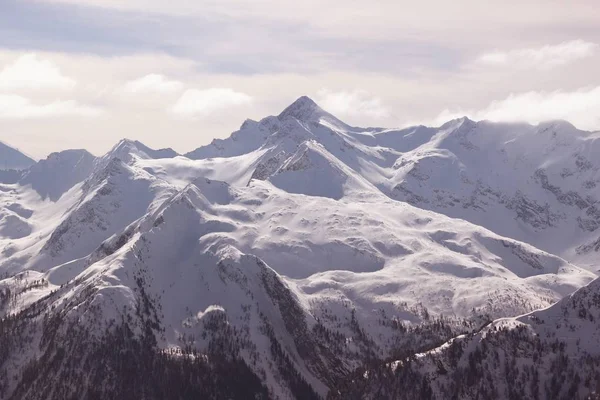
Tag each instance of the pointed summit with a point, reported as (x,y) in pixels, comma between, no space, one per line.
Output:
(11,158)
(303,109)
(127,147)
(59,172)
(458,122)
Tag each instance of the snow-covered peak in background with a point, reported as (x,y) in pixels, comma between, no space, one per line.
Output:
(127,148)
(529,182)
(151,153)
(458,122)
(296,121)
(59,172)
(306,110)
(11,158)
(298,244)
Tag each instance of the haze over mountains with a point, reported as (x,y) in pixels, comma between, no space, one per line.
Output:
(13,159)
(299,251)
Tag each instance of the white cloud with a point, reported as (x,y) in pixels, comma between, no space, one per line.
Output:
(153,83)
(580,107)
(545,57)
(30,72)
(385,19)
(357,103)
(17,107)
(201,103)
(100,81)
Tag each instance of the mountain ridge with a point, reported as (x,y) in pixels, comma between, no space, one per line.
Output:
(308,255)
(12,158)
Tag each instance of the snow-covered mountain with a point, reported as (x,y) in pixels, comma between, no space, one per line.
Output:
(533,183)
(553,353)
(58,173)
(11,158)
(294,251)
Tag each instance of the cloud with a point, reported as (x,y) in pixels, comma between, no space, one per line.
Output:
(545,57)
(17,107)
(379,19)
(153,83)
(266,36)
(31,72)
(357,103)
(580,107)
(201,103)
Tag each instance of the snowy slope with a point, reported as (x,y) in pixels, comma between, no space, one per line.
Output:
(313,171)
(58,173)
(552,353)
(200,253)
(11,158)
(299,247)
(533,183)
(71,202)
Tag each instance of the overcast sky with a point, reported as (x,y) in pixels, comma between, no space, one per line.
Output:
(177,73)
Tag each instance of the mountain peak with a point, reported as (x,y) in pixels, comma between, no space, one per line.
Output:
(11,158)
(126,147)
(304,108)
(556,124)
(59,172)
(457,122)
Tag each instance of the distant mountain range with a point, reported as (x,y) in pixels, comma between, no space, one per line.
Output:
(11,158)
(304,258)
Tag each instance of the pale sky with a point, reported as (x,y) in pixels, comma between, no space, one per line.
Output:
(178,73)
